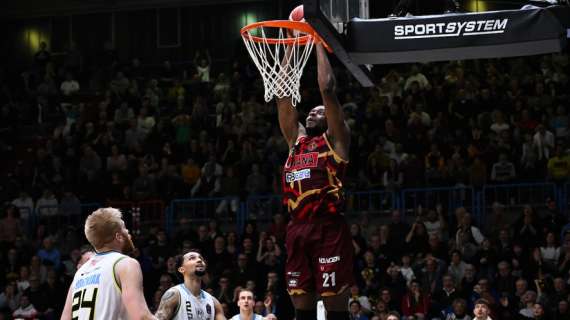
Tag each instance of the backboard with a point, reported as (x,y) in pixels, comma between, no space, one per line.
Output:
(339,12)
(330,18)
(357,40)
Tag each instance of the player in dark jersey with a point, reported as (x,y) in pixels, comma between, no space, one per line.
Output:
(319,245)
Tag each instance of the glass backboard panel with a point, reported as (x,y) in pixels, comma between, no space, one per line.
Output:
(341,11)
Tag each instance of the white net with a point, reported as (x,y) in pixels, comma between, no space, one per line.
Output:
(280,59)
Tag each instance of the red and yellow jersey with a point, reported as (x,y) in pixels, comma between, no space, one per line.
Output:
(312,178)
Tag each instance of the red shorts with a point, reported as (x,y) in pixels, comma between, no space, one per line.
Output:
(319,256)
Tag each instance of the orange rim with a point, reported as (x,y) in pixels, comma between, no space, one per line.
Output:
(287,24)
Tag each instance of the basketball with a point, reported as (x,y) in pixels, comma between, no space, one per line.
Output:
(297,14)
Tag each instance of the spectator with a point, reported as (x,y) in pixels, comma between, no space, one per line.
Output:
(544,142)
(527,301)
(124,115)
(418,77)
(459,311)
(208,185)
(47,206)
(499,125)
(10,226)
(417,237)
(363,300)
(468,237)
(116,161)
(503,170)
(481,310)
(190,172)
(559,166)
(9,298)
(90,164)
(230,188)
(478,173)
(70,86)
(26,309)
(268,251)
(393,177)
(504,281)
(562,311)
(246,303)
(38,296)
(144,186)
(220,260)
(25,204)
(550,253)
(203,66)
(356,312)
(70,205)
(49,253)
(415,303)
(457,266)
(256,182)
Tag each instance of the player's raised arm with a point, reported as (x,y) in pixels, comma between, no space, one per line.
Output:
(288,120)
(338,130)
(169,303)
(130,277)
(288,115)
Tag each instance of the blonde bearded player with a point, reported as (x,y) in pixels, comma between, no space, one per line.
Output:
(109,285)
(187,300)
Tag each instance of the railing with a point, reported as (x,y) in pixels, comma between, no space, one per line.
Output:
(54,217)
(141,214)
(517,195)
(448,197)
(261,208)
(232,210)
(201,210)
(374,202)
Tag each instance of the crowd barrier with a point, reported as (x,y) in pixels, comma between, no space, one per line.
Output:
(141,214)
(516,196)
(373,202)
(261,208)
(55,217)
(449,198)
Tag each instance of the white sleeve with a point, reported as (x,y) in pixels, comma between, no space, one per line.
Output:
(477,235)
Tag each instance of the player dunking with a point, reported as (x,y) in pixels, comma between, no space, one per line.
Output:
(109,284)
(319,246)
(187,300)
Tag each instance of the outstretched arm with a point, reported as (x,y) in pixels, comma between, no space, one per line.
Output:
(288,120)
(219,315)
(288,115)
(130,277)
(169,303)
(338,130)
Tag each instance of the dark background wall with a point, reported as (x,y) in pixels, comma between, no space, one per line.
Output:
(153,30)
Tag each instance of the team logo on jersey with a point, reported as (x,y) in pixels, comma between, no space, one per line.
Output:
(297,175)
(302,161)
(293,283)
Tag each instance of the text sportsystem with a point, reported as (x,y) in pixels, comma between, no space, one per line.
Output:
(450,29)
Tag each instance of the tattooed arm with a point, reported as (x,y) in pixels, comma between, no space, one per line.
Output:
(169,304)
(219,315)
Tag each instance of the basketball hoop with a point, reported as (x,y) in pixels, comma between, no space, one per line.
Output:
(280,49)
